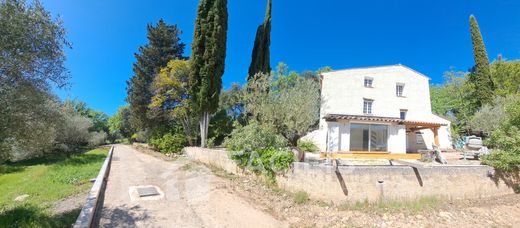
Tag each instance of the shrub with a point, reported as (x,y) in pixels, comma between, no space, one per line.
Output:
(73,132)
(133,138)
(253,137)
(97,138)
(307,146)
(505,141)
(301,197)
(506,156)
(169,143)
(142,136)
(268,161)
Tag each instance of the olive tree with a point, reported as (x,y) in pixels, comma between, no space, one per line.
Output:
(289,104)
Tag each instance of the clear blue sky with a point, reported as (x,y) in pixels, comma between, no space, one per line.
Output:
(429,36)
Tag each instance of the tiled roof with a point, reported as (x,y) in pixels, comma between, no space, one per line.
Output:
(336,117)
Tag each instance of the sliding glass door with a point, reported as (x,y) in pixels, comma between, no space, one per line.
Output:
(368,137)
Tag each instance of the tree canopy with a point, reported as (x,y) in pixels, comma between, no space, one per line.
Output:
(164,44)
(291,105)
(171,95)
(32,46)
(208,59)
(480,75)
(260,58)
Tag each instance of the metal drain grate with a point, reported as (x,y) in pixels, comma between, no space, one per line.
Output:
(147,191)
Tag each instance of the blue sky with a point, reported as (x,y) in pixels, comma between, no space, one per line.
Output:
(429,36)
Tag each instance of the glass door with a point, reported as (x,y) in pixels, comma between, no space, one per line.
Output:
(368,137)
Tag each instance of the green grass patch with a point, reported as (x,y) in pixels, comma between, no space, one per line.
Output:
(410,206)
(300,197)
(46,181)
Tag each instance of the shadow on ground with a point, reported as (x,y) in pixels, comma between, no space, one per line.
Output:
(31,216)
(123,216)
(511,179)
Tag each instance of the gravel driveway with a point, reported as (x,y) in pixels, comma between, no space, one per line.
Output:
(191,199)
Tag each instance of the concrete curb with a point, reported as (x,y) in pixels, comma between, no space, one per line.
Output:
(91,207)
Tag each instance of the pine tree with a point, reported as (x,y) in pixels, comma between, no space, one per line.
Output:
(163,45)
(207,60)
(260,59)
(481,75)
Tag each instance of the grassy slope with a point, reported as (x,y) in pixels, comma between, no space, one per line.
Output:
(46,181)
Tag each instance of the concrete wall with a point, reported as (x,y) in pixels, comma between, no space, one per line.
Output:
(216,157)
(343,92)
(374,183)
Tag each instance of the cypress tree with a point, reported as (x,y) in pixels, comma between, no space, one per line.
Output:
(208,60)
(481,75)
(260,59)
(163,45)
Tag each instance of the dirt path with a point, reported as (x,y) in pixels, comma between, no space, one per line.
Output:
(191,199)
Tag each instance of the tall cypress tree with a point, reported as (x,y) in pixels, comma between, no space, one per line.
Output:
(163,45)
(207,59)
(260,59)
(481,75)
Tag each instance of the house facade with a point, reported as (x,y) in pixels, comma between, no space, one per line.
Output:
(378,109)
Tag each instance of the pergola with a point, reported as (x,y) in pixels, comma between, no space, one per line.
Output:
(413,125)
(420,125)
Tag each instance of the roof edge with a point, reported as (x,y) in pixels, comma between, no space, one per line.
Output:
(383,66)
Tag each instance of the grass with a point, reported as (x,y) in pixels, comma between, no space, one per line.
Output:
(410,206)
(46,181)
(300,197)
(191,167)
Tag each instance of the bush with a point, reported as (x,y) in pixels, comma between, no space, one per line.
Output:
(506,155)
(169,143)
(253,137)
(301,197)
(97,138)
(307,146)
(268,161)
(133,138)
(73,132)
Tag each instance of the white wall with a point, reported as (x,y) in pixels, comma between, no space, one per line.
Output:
(343,93)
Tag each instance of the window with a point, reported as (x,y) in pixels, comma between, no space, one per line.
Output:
(399,90)
(367,106)
(419,138)
(368,82)
(368,137)
(402,114)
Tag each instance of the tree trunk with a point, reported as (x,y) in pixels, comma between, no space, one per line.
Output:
(204,124)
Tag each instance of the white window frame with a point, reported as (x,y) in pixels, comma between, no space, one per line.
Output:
(367,106)
(368,85)
(401,92)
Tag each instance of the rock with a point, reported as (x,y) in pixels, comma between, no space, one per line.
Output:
(21,198)
(445,215)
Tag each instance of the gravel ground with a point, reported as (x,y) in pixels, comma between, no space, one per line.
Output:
(200,196)
(193,196)
(485,212)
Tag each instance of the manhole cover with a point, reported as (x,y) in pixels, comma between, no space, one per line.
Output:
(147,191)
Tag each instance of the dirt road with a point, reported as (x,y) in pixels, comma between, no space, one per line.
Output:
(191,199)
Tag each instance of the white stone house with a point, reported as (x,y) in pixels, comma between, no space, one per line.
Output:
(378,109)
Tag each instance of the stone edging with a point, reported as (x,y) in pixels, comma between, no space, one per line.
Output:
(91,207)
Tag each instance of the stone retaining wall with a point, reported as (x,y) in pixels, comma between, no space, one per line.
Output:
(216,157)
(95,197)
(373,183)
